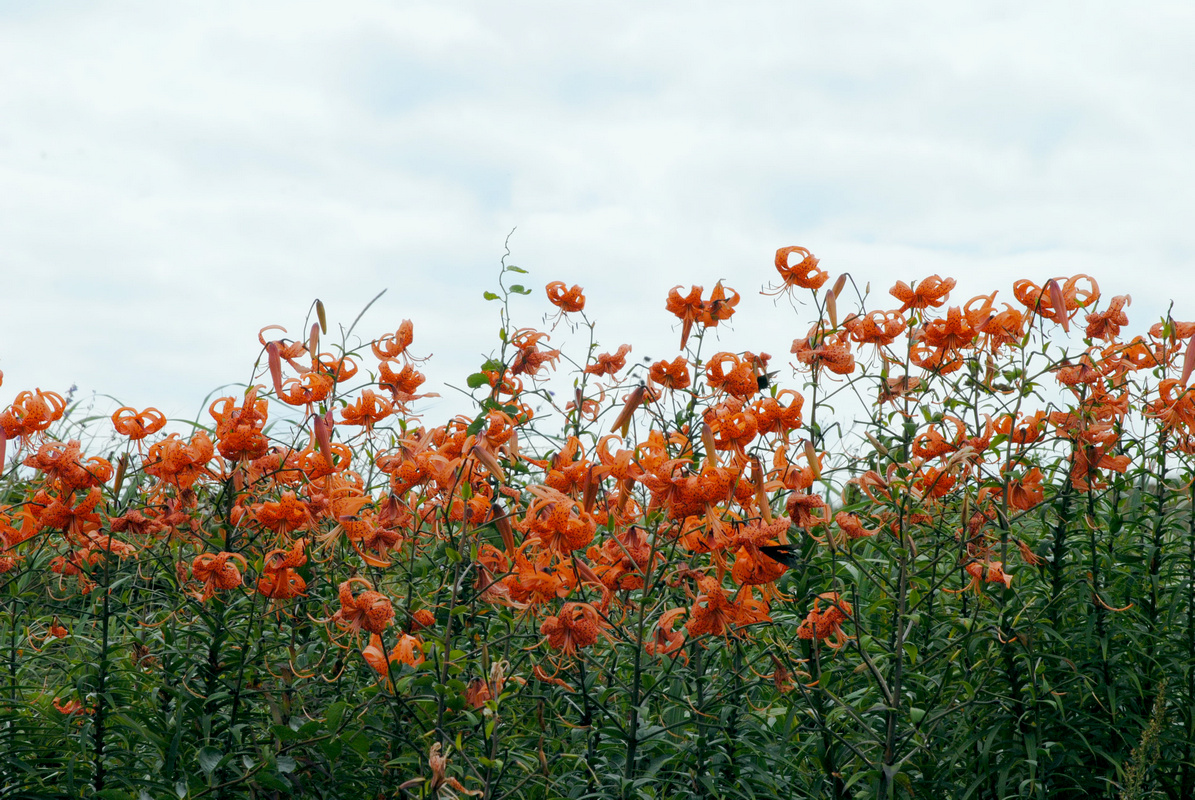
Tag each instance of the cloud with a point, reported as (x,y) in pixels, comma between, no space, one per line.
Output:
(179,175)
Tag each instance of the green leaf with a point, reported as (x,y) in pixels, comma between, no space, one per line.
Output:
(360,743)
(332,748)
(271,781)
(477,380)
(284,733)
(513,268)
(209,759)
(520,289)
(490,296)
(309,729)
(335,713)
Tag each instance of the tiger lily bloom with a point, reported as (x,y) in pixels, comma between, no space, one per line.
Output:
(805,274)
(930,292)
(578,625)
(609,363)
(983,572)
(408,650)
(370,609)
(567,300)
(666,641)
(216,572)
(136,424)
(822,625)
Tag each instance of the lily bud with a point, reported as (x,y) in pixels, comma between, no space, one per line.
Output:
(121,468)
(590,491)
(502,523)
(512,446)
(634,399)
(491,463)
(832,309)
(388,511)
(877,444)
(1059,303)
(585,571)
(1188,362)
(313,342)
(275,366)
(323,435)
(811,456)
(707,439)
(624,493)
(761,497)
(319,313)
(838,285)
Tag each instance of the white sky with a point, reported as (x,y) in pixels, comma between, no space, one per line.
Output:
(174,176)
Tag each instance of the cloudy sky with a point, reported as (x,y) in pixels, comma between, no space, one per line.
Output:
(174,176)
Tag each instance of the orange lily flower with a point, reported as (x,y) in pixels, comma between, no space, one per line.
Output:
(136,424)
(609,363)
(878,327)
(805,274)
(951,334)
(215,572)
(752,567)
(338,369)
(70,707)
(567,300)
(983,572)
(578,625)
(829,350)
(931,443)
(63,464)
(367,411)
(402,384)
(712,611)
(692,309)
(279,581)
(822,625)
(1106,324)
(665,640)
(930,292)
(286,350)
(285,515)
(239,430)
(671,374)
(530,360)
(178,463)
(1042,301)
(408,650)
(395,344)
(370,610)
(1003,328)
(1174,409)
(31,412)
(772,417)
